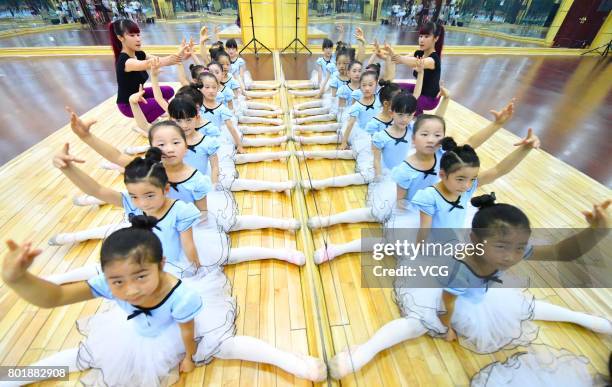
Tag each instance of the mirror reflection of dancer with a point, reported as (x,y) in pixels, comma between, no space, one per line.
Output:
(131,64)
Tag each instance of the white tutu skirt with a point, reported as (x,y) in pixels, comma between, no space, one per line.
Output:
(500,320)
(382,197)
(540,366)
(118,356)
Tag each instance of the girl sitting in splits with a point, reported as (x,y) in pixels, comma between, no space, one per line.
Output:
(472,303)
(161,325)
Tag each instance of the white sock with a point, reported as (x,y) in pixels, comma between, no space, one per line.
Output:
(255,350)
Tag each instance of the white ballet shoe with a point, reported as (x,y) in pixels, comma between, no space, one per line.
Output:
(603,326)
(60,240)
(86,200)
(295,257)
(310,368)
(342,364)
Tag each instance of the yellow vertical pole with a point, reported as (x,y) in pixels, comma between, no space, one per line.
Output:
(558,20)
(605,33)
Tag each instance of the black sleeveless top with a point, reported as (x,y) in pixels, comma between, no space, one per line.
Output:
(431,78)
(129,82)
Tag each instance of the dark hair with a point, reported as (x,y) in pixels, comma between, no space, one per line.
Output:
(492,215)
(196,70)
(214,63)
(167,123)
(182,108)
(388,90)
(423,117)
(368,73)
(191,92)
(353,63)
(403,103)
(148,168)
(231,43)
(437,30)
(341,45)
(119,28)
(327,43)
(137,242)
(350,52)
(456,156)
(374,67)
(218,53)
(206,75)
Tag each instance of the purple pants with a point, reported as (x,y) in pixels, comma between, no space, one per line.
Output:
(151,109)
(423,102)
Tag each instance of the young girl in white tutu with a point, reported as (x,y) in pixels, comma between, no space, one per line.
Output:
(147,191)
(471,303)
(160,326)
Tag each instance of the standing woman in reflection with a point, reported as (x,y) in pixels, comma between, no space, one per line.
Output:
(131,64)
(431,41)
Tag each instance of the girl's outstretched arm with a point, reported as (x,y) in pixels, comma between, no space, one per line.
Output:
(64,162)
(512,160)
(485,133)
(82,128)
(33,289)
(581,243)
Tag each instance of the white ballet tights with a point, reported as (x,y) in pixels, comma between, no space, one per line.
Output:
(261,129)
(309,105)
(319,117)
(333,154)
(336,181)
(329,139)
(236,348)
(244,158)
(545,311)
(255,222)
(261,185)
(304,93)
(259,142)
(316,128)
(64,358)
(85,235)
(255,350)
(259,120)
(251,253)
(312,111)
(357,215)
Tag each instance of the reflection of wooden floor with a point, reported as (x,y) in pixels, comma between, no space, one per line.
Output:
(316,310)
(542,186)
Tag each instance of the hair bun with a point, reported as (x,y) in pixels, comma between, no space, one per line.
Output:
(198,85)
(153,154)
(144,222)
(448,144)
(484,201)
(384,83)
